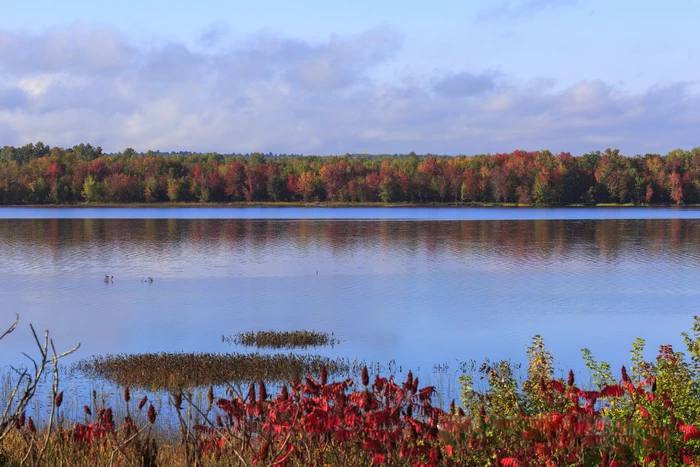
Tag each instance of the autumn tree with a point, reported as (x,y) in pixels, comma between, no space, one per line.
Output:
(37,173)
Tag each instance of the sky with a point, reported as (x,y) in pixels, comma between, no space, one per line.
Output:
(319,77)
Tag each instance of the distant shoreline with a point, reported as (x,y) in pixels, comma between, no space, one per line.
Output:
(255,204)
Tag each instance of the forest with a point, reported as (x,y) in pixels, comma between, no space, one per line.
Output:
(37,174)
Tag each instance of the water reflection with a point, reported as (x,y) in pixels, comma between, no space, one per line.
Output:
(80,246)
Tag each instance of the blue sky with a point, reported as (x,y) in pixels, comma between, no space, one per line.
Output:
(325,77)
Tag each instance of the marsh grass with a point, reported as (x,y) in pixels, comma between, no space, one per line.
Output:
(281,339)
(175,371)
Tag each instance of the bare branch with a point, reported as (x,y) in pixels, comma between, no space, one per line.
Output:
(67,352)
(11,328)
(27,384)
(54,393)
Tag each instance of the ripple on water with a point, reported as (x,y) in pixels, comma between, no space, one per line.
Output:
(405,290)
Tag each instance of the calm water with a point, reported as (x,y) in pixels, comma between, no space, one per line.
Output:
(419,286)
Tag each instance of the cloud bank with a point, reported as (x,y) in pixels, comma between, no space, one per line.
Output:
(272,93)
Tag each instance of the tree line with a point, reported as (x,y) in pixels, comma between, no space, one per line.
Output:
(40,174)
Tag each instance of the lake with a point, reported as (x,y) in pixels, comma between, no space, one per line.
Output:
(420,286)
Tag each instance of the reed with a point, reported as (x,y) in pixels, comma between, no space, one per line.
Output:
(282,339)
(175,371)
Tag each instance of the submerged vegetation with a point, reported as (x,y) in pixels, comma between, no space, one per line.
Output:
(39,174)
(648,414)
(281,339)
(173,371)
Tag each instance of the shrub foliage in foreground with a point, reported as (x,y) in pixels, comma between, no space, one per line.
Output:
(647,417)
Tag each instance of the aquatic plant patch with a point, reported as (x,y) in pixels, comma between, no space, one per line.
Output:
(281,339)
(173,371)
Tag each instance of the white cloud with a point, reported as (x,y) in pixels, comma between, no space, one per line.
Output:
(12,97)
(498,103)
(74,50)
(465,84)
(271,93)
(35,86)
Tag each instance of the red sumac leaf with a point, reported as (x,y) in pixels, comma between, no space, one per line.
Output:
(510,462)
(557,386)
(689,432)
(613,391)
